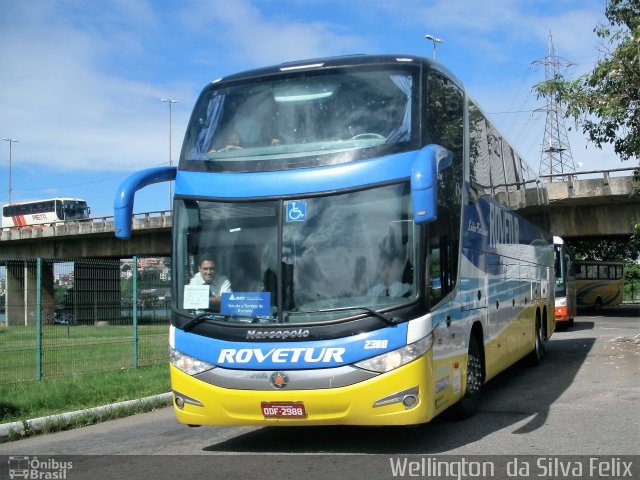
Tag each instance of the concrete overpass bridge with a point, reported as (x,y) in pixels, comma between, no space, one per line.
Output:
(31,257)
(605,205)
(92,238)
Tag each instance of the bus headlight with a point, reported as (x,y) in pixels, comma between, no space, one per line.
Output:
(396,358)
(189,365)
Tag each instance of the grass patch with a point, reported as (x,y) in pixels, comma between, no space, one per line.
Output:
(21,402)
(76,350)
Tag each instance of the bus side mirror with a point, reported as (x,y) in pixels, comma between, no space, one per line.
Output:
(123,204)
(424,181)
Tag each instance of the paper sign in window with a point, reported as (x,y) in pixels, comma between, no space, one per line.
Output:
(196,297)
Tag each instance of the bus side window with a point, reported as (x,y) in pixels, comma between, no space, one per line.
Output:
(603,272)
(434,272)
(612,272)
(478,155)
(441,269)
(445,120)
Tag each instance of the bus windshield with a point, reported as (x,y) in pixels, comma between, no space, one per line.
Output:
(296,120)
(296,261)
(560,267)
(74,210)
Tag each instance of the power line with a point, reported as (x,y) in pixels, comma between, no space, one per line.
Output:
(511,111)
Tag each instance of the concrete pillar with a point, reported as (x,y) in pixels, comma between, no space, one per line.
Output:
(96,291)
(47,297)
(15,306)
(21,292)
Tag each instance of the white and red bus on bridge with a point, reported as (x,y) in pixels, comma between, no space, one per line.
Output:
(44,212)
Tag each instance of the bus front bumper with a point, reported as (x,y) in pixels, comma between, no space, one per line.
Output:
(200,403)
(562,314)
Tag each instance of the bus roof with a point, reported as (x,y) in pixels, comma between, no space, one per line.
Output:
(598,262)
(335,62)
(69,199)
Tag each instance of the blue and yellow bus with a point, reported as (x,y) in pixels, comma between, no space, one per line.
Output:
(599,283)
(347,247)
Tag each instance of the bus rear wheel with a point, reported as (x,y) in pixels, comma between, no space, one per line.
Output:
(536,356)
(468,404)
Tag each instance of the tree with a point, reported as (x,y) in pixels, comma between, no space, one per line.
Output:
(605,101)
(631,280)
(605,249)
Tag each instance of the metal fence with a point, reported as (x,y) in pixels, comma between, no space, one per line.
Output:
(61,318)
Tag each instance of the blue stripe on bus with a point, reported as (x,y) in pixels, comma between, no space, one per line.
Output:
(296,182)
(291,355)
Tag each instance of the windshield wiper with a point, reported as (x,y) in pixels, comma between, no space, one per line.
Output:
(211,316)
(388,320)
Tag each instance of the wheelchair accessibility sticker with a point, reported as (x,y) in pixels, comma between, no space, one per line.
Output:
(297,211)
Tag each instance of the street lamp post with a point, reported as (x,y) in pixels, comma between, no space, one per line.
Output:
(434,40)
(170,101)
(11,142)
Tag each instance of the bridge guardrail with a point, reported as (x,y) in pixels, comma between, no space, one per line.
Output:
(598,183)
(572,176)
(156,219)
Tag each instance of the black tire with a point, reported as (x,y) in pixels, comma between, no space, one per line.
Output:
(536,356)
(468,404)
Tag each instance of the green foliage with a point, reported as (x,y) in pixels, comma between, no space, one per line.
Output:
(605,101)
(631,280)
(627,250)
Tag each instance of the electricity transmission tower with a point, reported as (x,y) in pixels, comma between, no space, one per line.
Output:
(556,152)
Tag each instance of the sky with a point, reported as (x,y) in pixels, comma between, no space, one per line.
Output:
(81,82)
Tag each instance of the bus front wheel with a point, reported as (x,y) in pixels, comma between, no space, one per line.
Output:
(467,405)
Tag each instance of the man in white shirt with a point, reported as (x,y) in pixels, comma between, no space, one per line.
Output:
(218,284)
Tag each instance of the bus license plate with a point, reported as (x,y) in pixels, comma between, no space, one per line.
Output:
(283,410)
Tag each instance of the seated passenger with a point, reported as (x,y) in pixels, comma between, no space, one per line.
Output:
(233,141)
(390,284)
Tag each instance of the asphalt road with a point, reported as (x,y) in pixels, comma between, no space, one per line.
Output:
(583,400)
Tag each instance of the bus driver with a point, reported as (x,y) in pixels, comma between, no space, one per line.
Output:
(218,284)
